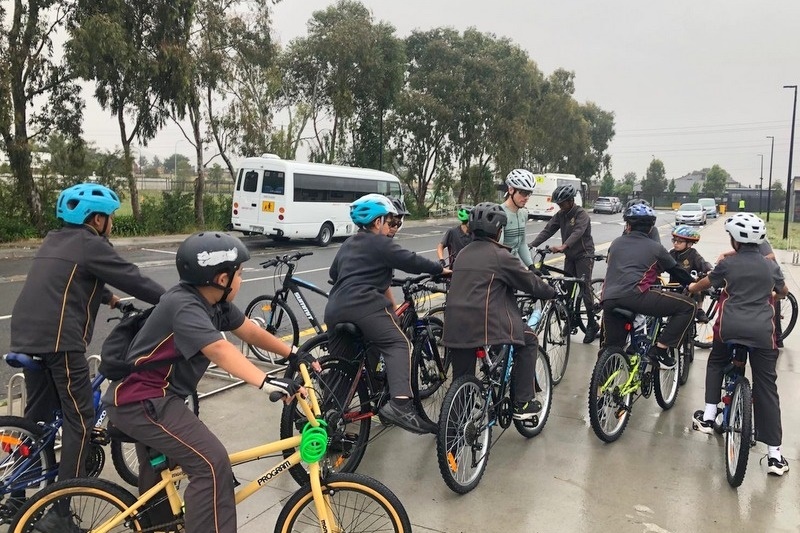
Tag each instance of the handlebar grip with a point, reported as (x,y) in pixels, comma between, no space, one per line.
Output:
(275,396)
(303,254)
(270,263)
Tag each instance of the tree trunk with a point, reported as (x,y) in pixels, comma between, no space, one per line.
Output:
(199,181)
(216,134)
(126,149)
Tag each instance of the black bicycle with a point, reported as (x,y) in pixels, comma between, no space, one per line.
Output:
(352,390)
(272,312)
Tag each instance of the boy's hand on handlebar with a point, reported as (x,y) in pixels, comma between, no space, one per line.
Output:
(125,307)
(446,272)
(286,387)
(557,249)
(299,356)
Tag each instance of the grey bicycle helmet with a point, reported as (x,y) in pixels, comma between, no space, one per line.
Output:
(521,179)
(563,193)
(486,219)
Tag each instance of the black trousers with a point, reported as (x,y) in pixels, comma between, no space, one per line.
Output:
(382,330)
(582,268)
(523,372)
(766,402)
(678,307)
(64,385)
(167,425)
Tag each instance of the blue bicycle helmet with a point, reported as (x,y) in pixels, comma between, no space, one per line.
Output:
(76,203)
(369,207)
(640,214)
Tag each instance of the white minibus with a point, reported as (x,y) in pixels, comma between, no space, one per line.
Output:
(539,205)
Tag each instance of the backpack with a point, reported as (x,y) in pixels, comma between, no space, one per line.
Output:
(114,352)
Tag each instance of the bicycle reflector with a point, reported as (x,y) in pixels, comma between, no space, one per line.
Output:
(628,326)
(313,442)
(480,353)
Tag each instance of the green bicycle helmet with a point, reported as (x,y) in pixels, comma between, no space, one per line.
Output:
(463,215)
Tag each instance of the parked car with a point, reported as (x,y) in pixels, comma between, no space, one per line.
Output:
(604,204)
(709,206)
(692,213)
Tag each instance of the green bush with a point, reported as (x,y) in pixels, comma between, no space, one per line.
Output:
(217,211)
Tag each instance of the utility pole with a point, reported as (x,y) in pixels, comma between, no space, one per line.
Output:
(769,186)
(761,185)
(789,181)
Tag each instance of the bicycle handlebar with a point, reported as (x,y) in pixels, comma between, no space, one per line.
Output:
(546,250)
(285,259)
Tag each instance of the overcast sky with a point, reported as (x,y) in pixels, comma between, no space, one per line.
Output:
(693,83)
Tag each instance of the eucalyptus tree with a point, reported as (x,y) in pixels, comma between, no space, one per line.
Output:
(30,75)
(136,53)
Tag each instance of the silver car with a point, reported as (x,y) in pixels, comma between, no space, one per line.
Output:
(690,214)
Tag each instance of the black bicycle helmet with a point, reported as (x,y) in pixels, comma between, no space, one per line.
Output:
(563,193)
(486,219)
(202,256)
(400,205)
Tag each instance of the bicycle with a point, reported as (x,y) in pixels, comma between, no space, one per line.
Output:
(788,318)
(272,312)
(473,405)
(578,314)
(620,377)
(354,389)
(101,506)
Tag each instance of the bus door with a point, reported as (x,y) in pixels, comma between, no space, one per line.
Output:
(247,196)
(272,201)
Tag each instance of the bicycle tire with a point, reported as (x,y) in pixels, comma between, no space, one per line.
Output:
(787,325)
(609,411)
(544,380)
(92,500)
(357,503)
(704,332)
(123,454)
(738,432)
(277,318)
(665,385)
(17,432)
(431,372)
(347,442)
(582,313)
(457,426)
(685,357)
(556,340)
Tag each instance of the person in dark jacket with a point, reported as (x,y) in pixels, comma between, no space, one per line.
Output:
(688,258)
(634,263)
(54,314)
(362,273)
(576,244)
(482,309)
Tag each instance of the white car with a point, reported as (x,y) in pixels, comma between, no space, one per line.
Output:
(709,206)
(692,213)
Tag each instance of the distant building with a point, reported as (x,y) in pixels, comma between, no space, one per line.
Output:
(684,184)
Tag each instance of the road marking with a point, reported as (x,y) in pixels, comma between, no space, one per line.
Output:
(159,251)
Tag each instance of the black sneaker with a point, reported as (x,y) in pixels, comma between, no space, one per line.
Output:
(591,333)
(407,418)
(703,426)
(701,316)
(53,522)
(661,355)
(777,467)
(527,410)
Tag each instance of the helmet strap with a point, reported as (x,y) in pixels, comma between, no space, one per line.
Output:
(226,289)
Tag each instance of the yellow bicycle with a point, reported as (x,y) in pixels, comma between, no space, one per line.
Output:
(330,503)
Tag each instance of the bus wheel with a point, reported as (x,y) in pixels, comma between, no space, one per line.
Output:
(325,234)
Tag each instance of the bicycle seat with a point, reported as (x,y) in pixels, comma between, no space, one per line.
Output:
(21,360)
(624,313)
(347,328)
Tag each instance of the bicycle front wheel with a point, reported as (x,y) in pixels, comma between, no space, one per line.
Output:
(788,314)
(462,445)
(685,356)
(275,317)
(555,339)
(355,503)
(665,384)
(23,462)
(543,391)
(739,432)
(80,504)
(596,311)
(609,406)
(704,332)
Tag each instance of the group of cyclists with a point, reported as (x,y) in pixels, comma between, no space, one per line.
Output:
(488,259)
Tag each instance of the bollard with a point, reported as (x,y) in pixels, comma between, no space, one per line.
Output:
(18,378)
(795,257)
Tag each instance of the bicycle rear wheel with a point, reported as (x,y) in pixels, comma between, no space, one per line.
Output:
(665,384)
(739,432)
(597,309)
(462,445)
(349,419)
(609,408)
(277,318)
(431,373)
(543,388)
(556,339)
(788,313)
(23,462)
(355,503)
(704,333)
(82,504)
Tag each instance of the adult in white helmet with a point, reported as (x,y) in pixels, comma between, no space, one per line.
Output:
(520,184)
(745,317)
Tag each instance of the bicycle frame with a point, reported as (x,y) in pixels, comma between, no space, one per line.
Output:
(634,381)
(293,284)
(169,477)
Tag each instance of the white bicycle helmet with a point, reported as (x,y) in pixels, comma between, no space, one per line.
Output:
(521,179)
(746,228)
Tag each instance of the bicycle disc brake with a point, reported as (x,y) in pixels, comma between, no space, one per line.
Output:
(504,412)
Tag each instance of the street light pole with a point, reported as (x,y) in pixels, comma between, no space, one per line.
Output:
(769,186)
(789,183)
(761,185)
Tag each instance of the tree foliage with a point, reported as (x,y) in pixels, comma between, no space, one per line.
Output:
(655,180)
(607,185)
(716,182)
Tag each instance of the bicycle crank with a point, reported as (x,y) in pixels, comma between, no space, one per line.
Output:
(505,412)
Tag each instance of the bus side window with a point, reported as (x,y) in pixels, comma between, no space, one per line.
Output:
(251,181)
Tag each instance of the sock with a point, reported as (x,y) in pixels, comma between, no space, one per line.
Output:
(401,402)
(711,411)
(774,452)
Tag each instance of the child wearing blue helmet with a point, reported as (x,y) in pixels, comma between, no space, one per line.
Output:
(54,314)
(362,273)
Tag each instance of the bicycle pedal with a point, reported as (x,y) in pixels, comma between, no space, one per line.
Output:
(100,436)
